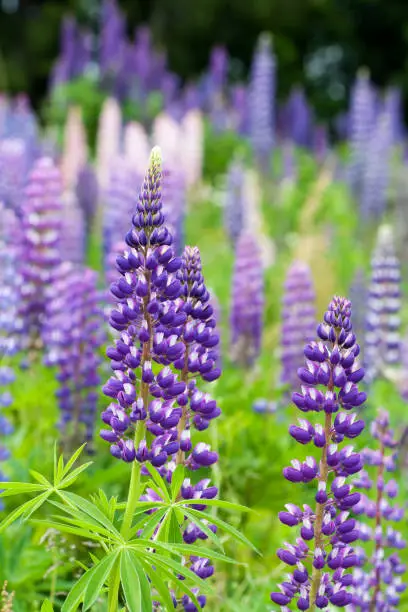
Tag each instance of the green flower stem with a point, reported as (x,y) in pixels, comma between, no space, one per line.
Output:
(134,486)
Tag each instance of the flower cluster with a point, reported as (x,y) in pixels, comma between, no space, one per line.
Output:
(73,231)
(118,206)
(298,320)
(378,585)
(361,121)
(86,191)
(247,302)
(323,552)
(373,199)
(10,324)
(234,200)
(167,343)
(148,317)
(382,343)
(73,338)
(41,224)
(261,98)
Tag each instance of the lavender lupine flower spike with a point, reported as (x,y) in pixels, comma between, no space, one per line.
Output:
(41,225)
(298,320)
(378,584)
(234,200)
(148,317)
(375,178)
(262,101)
(361,121)
(323,552)
(247,302)
(73,338)
(382,348)
(9,321)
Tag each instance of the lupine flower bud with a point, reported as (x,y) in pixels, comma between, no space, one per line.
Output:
(382,342)
(41,226)
(261,101)
(247,302)
(323,552)
(298,320)
(378,584)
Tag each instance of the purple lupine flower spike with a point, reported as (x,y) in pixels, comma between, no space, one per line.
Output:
(362,114)
(13,172)
(382,348)
(378,584)
(73,338)
(373,199)
(200,361)
(86,191)
(41,227)
(262,102)
(10,324)
(298,118)
(298,320)
(73,233)
(119,203)
(147,316)
(322,554)
(234,200)
(247,302)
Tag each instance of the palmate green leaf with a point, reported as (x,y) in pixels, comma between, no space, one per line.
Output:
(58,470)
(135,585)
(153,522)
(170,530)
(106,506)
(40,478)
(82,533)
(76,594)
(91,510)
(72,460)
(100,573)
(224,526)
(47,606)
(82,519)
(98,529)
(18,488)
(176,481)
(72,476)
(25,510)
